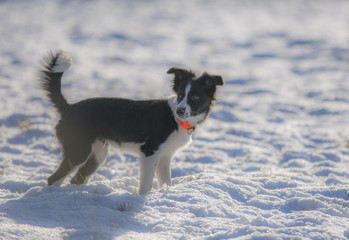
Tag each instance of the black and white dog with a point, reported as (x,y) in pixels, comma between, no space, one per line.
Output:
(152,129)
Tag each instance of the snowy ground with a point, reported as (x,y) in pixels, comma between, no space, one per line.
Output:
(271,162)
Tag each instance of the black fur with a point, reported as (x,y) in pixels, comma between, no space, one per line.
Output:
(119,120)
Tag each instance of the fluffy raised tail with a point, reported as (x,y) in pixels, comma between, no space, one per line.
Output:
(54,64)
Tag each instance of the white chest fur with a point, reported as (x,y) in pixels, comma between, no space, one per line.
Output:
(176,140)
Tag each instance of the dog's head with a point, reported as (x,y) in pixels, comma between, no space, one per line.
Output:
(195,96)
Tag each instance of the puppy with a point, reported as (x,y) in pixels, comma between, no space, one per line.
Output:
(152,129)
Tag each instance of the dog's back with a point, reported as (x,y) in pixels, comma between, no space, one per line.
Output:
(144,122)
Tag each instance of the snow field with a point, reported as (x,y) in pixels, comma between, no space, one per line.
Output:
(271,162)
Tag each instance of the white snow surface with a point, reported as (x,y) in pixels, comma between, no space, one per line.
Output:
(271,162)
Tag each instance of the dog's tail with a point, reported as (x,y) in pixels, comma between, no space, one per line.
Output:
(54,64)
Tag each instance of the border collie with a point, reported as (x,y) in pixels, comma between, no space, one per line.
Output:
(152,129)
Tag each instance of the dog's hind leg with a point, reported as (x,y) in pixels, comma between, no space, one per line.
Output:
(73,157)
(63,170)
(96,158)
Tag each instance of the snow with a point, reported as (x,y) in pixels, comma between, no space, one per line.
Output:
(271,162)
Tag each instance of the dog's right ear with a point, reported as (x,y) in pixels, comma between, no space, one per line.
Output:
(181,76)
(180,73)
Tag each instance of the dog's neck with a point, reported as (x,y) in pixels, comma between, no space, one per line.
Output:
(190,129)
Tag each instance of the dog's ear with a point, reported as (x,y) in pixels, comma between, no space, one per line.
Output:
(181,73)
(212,80)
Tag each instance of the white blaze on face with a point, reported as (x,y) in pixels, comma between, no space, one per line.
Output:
(184,104)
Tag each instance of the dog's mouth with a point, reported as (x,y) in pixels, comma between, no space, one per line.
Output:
(183,118)
(186,116)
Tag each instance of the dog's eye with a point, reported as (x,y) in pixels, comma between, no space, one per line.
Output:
(195,97)
(179,96)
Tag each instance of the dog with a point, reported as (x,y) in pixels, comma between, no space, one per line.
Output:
(151,129)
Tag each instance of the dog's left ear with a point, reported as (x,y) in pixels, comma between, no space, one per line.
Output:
(180,73)
(213,80)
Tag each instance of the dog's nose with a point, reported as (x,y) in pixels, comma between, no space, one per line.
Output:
(180,111)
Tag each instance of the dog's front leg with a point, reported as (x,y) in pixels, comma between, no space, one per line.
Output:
(146,173)
(163,170)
